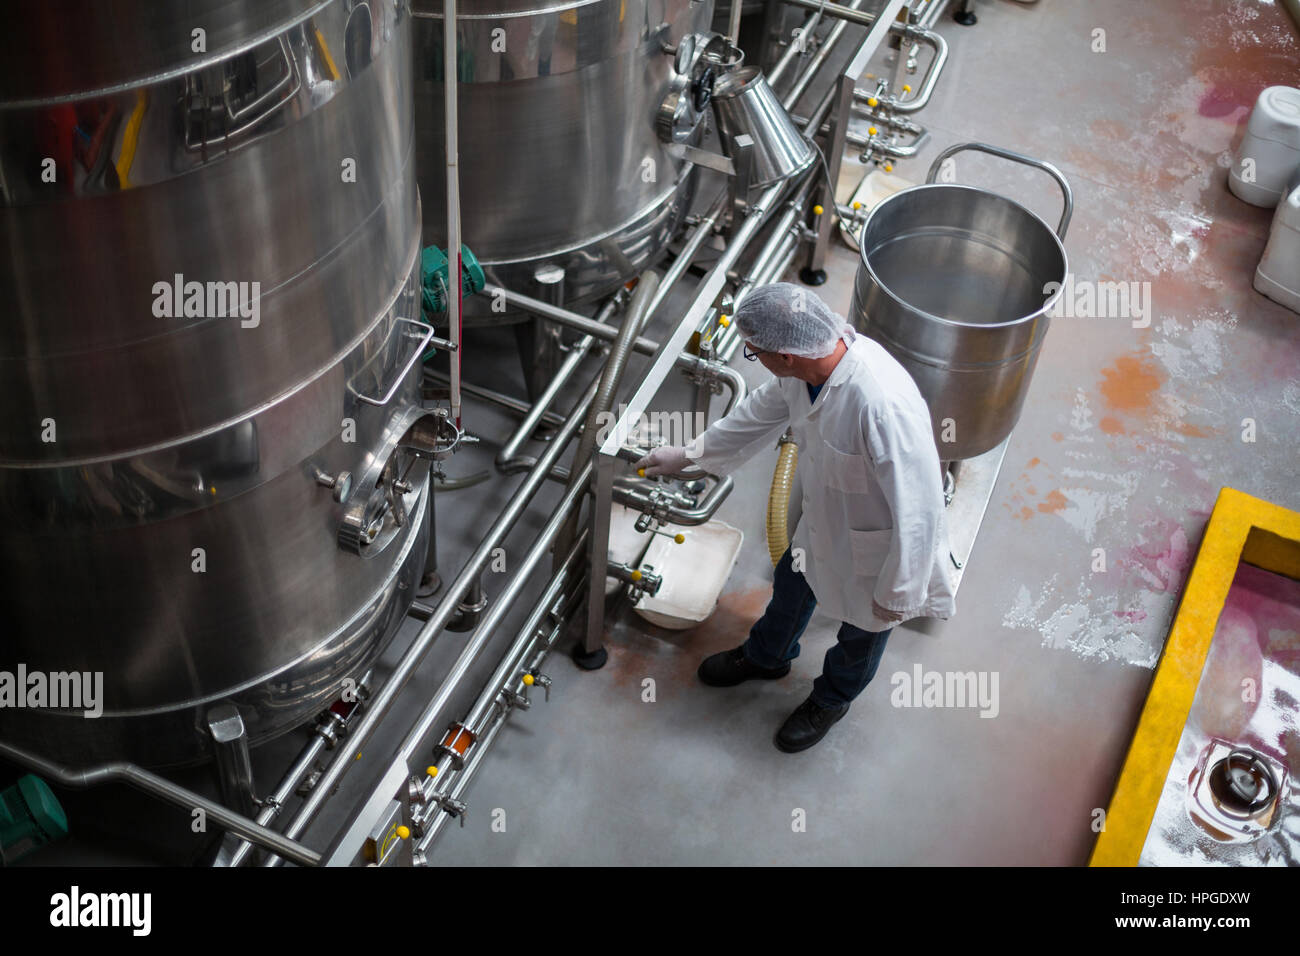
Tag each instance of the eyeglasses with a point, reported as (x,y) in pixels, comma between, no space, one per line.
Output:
(752,354)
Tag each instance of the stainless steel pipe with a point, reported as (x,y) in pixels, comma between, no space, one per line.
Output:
(383,699)
(164,789)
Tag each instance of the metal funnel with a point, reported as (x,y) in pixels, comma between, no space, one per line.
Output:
(745,104)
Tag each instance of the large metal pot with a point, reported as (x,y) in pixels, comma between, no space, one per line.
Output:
(188,499)
(567,187)
(958,284)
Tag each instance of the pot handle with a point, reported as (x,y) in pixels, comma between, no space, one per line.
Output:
(1017,158)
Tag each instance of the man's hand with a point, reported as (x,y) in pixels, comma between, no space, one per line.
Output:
(885,614)
(665,460)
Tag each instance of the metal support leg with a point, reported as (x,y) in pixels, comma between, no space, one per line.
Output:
(965,13)
(590,653)
(539,340)
(234,767)
(430,581)
(470,609)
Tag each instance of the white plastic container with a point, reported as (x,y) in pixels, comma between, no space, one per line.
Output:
(1278,274)
(1270,151)
(693,573)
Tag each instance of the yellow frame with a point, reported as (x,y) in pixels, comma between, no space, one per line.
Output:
(1242,528)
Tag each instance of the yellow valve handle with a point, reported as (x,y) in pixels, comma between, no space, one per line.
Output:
(431,771)
(872,131)
(872,102)
(404,833)
(818,210)
(636,575)
(679,538)
(640,472)
(907,88)
(724,321)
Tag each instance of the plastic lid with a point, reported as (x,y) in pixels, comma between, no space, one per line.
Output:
(1277,116)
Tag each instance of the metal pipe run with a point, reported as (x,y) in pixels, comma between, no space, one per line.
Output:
(827,46)
(509,459)
(382,702)
(496,398)
(157,786)
(523,576)
(450,107)
(554,602)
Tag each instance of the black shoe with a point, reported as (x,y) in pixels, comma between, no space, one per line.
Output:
(807,725)
(729,668)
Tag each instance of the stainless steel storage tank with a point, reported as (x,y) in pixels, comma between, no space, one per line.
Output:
(561,162)
(167,457)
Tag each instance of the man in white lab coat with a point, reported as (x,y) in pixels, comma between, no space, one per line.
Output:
(871,548)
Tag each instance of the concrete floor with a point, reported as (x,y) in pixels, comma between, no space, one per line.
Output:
(1126,438)
(1127,435)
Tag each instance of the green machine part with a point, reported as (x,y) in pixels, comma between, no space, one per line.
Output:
(30,817)
(435,278)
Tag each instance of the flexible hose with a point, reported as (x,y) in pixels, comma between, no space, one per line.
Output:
(619,351)
(778,499)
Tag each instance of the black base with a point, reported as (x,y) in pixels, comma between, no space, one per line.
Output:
(812,276)
(430,584)
(966,18)
(589,662)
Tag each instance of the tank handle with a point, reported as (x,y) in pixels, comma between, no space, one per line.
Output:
(1048,168)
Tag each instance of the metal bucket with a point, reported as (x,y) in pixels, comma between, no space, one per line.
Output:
(958,284)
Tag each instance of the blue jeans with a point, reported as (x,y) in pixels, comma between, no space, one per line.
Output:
(774,639)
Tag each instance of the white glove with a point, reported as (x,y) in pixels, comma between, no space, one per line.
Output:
(665,460)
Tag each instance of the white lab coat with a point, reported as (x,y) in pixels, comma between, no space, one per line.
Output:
(873,522)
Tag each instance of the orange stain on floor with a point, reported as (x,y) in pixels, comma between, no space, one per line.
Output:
(1054,502)
(1131,384)
(1111,426)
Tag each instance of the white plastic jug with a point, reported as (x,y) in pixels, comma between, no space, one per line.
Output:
(1278,274)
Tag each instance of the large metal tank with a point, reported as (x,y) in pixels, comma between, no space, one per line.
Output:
(562,165)
(165,465)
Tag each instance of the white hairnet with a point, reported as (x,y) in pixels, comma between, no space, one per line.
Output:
(784,317)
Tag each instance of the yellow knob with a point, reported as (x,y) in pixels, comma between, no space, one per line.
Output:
(871,130)
(679,538)
(641,472)
(212,490)
(636,575)
(404,833)
(906,88)
(431,771)
(528,679)
(857,205)
(872,102)
(818,210)
(889,167)
(724,321)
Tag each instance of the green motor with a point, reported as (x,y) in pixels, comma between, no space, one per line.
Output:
(30,817)
(435,278)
